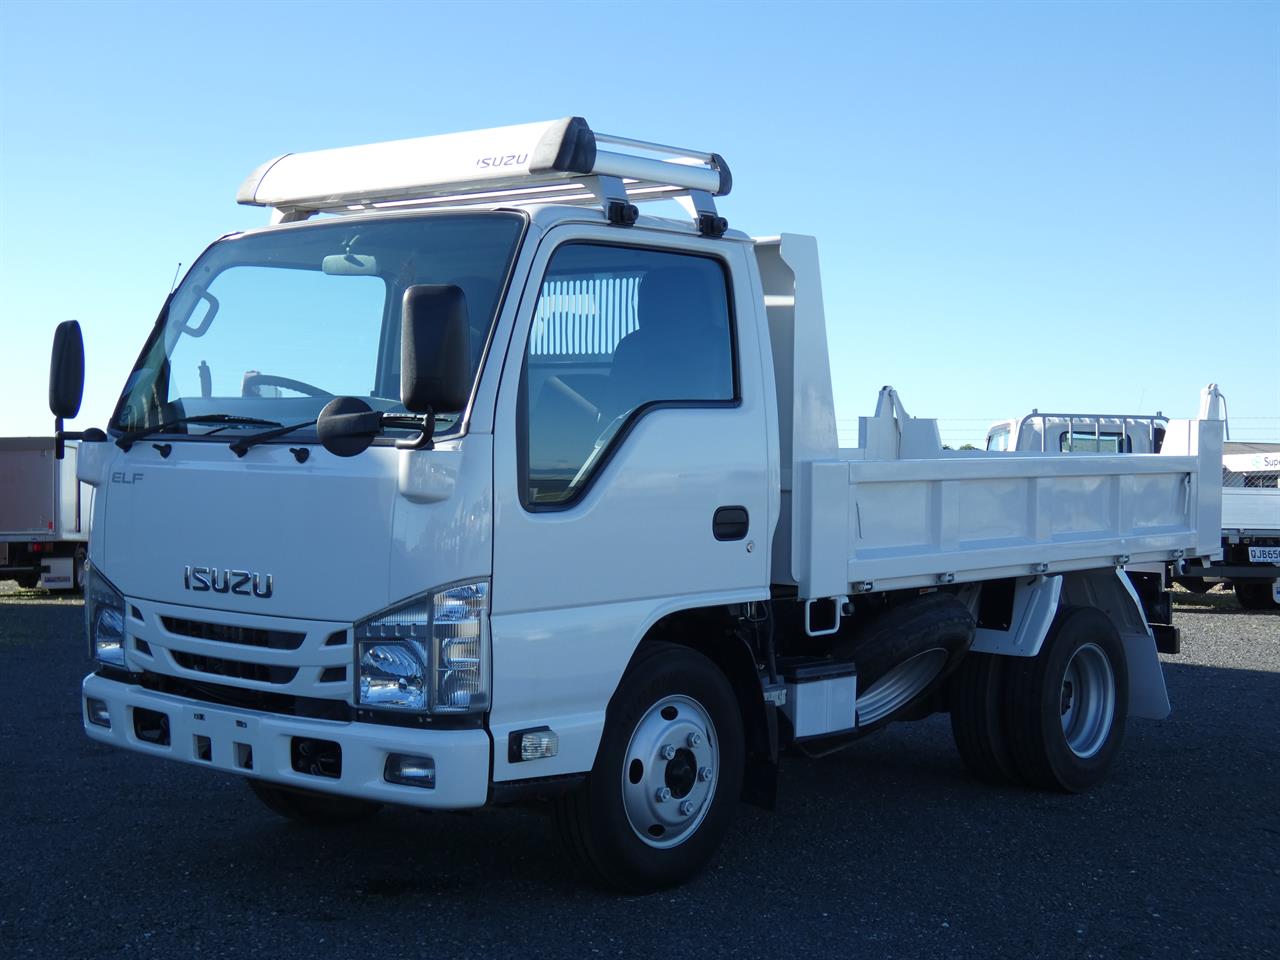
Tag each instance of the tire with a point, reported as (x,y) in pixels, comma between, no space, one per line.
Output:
(1068,704)
(1195,584)
(977,692)
(614,825)
(27,582)
(1255,595)
(310,807)
(905,654)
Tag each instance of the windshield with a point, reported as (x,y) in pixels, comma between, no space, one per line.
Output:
(272,326)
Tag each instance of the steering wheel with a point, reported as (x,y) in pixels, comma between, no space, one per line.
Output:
(253,380)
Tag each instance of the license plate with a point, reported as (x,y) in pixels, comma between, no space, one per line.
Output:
(1264,554)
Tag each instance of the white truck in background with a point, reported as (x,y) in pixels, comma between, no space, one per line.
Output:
(44,514)
(1250,529)
(464,483)
(1250,559)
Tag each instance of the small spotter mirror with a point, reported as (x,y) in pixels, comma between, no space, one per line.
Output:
(347,425)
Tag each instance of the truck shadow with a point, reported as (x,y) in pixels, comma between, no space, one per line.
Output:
(897,811)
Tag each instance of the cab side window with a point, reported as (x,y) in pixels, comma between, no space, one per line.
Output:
(615,331)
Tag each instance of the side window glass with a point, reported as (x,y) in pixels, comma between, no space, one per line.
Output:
(615,329)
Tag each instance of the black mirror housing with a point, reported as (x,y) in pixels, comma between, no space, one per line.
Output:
(66,371)
(347,425)
(435,349)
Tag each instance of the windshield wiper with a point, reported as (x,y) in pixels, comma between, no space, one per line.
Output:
(127,440)
(241,446)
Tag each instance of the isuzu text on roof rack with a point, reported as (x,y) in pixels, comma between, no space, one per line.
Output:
(486,488)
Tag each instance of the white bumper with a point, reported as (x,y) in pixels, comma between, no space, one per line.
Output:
(461,756)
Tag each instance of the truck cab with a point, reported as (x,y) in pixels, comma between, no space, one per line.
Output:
(1079,433)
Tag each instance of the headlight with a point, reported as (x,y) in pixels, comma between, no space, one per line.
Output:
(103,619)
(429,654)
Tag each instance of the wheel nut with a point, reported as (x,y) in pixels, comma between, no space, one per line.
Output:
(695,739)
(686,808)
(704,774)
(668,752)
(664,794)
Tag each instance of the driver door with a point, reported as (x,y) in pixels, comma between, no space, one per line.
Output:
(630,471)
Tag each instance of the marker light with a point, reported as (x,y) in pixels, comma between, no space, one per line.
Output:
(537,744)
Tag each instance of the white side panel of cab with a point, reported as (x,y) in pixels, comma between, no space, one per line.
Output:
(576,589)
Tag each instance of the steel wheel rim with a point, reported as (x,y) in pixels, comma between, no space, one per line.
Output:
(900,685)
(1087,700)
(670,771)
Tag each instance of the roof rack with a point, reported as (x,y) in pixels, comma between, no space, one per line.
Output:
(554,161)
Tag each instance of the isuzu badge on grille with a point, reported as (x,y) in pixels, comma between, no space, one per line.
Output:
(243,582)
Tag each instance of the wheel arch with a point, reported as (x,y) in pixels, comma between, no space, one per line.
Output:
(720,633)
(1035,604)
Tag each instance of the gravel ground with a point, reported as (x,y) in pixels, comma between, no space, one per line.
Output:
(888,850)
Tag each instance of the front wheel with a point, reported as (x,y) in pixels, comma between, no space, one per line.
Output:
(667,775)
(1068,704)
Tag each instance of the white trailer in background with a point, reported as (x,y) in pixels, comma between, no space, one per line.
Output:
(462,482)
(44,514)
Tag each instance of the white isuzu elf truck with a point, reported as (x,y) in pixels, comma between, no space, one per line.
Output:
(463,483)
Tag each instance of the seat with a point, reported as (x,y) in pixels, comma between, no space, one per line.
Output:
(679,350)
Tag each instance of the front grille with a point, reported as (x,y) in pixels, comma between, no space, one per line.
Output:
(227,633)
(262,700)
(234,669)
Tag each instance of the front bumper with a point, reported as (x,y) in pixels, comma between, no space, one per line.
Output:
(230,735)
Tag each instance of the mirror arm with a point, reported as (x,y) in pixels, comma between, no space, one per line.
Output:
(61,436)
(424,440)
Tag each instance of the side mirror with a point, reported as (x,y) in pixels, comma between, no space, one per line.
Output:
(66,380)
(435,349)
(66,371)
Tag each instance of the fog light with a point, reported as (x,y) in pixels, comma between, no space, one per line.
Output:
(537,744)
(410,771)
(98,713)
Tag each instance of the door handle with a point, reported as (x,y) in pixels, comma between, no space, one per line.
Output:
(730,523)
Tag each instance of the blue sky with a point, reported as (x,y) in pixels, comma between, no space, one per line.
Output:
(1034,204)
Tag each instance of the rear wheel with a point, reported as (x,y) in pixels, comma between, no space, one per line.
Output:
(1068,704)
(976,694)
(1256,595)
(667,775)
(308,806)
